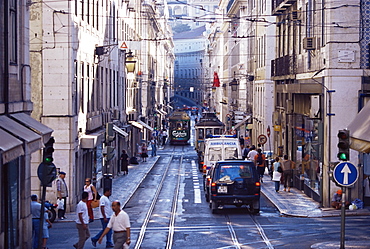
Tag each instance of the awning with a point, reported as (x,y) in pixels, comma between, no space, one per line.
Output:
(359,130)
(242,122)
(145,125)
(10,147)
(136,124)
(162,112)
(120,131)
(31,139)
(90,141)
(34,125)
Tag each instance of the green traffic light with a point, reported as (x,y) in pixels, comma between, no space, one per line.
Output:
(342,156)
(48,159)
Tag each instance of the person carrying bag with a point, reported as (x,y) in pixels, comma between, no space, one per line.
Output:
(288,166)
(276,174)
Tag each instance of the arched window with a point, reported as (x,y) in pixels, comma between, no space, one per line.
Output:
(177,11)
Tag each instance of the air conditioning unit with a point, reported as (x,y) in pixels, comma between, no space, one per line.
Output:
(309,43)
(295,14)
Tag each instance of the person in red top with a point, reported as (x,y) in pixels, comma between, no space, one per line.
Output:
(259,161)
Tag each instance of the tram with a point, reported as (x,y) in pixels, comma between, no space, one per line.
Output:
(208,126)
(179,123)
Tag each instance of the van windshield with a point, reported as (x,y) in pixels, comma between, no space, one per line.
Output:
(231,172)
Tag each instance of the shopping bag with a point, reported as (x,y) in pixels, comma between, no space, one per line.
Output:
(60,203)
(276,176)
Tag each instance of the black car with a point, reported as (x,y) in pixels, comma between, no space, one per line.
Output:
(234,182)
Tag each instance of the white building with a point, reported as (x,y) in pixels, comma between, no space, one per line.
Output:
(78,54)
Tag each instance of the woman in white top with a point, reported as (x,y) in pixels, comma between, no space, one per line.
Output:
(91,190)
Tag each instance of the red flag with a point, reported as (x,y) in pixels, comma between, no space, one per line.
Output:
(216,80)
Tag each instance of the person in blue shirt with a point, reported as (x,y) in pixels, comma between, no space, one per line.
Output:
(36,215)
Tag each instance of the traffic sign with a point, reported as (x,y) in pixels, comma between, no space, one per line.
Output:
(262,139)
(345,174)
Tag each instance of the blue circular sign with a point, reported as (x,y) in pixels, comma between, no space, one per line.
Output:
(345,174)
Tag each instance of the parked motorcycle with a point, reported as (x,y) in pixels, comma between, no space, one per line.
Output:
(52,210)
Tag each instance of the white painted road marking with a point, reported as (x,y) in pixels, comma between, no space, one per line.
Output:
(197,197)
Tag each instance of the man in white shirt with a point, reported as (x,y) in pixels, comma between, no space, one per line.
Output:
(252,153)
(82,222)
(120,224)
(105,214)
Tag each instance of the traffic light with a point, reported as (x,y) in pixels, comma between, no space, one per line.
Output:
(109,133)
(343,145)
(46,172)
(108,153)
(47,156)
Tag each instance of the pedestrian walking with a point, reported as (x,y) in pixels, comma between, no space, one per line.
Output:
(276,174)
(241,141)
(140,150)
(82,221)
(124,162)
(164,137)
(62,194)
(144,152)
(91,190)
(120,224)
(259,161)
(245,152)
(45,230)
(153,144)
(288,166)
(36,214)
(106,212)
(252,153)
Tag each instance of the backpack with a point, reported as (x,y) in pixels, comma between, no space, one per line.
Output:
(259,159)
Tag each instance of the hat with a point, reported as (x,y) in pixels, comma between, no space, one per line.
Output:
(62,173)
(339,192)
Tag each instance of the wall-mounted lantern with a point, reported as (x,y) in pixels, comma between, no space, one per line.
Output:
(234,85)
(130,62)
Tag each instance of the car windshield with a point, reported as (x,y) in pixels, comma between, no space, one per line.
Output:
(231,172)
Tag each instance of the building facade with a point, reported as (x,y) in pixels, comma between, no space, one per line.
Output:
(22,135)
(81,82)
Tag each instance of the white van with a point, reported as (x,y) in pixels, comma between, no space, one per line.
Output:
(220,148)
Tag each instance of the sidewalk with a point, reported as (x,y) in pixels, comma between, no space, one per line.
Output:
(130,182)
(296,203)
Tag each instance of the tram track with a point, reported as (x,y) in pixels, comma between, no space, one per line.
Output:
(170,228)
(157,217)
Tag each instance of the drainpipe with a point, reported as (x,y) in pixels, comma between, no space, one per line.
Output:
(6,56)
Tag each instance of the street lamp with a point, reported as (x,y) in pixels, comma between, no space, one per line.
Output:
(234,85)
(130,62)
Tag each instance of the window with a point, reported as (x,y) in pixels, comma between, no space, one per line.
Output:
(230,172)
(82,9)
(88,90)
(76,7)
(13,31)
(10,202)
(82,87)
(97,14)
(75,89)
(88,11)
